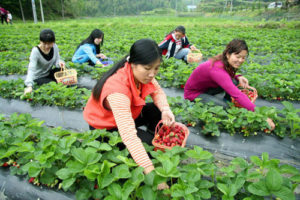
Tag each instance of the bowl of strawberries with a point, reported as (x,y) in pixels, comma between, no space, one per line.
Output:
(251,93)
(166,137)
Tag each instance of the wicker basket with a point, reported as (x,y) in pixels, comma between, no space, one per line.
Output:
(66,76)
(156,136)
(194,57)
(246,91)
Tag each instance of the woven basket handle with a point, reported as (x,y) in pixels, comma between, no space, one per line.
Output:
(253,89)
(158,126)
(196,50)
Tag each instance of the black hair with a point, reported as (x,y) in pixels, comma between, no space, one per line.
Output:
(96,33)
(143,52)
(234,46)
(180,29)
(47,35)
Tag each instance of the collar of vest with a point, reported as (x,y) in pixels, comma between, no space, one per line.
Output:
(138,98)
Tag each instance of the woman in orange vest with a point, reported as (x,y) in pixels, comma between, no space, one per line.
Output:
(118,101)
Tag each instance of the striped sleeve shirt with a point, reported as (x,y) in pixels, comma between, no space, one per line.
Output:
(120,106)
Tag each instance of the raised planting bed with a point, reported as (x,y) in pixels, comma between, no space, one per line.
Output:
(84,165)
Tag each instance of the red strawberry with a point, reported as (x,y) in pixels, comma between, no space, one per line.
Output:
(5,164)
(31,180)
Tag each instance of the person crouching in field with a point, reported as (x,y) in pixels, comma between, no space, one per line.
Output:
(218,74)
(42,59)
(176,44)
(118,101)
(89,50)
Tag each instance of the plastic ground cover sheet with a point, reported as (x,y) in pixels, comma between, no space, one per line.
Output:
(286,149)
(18,188)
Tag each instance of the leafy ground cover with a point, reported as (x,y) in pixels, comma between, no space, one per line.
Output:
(212,119)
(272,48)
(86,165)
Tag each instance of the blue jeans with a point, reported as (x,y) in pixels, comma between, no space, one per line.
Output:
(182,54)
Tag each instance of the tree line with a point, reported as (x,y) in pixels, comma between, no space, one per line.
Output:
(57,9)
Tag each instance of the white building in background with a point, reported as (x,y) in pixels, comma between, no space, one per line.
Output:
(191,8)
(275,5)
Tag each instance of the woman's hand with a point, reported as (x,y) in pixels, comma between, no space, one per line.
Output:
(193,48)
(101,55)
(167,117)
(149,169)
(160,186)
(27,90)
(62,64)
(271,124)
(243,82)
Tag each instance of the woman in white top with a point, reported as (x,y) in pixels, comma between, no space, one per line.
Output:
(44,61)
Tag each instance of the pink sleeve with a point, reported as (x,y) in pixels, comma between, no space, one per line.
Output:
(120,106)
(223,79)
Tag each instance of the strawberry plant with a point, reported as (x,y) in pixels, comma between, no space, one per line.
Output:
(82,164)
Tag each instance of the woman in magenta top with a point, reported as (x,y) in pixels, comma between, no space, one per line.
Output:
(218,74)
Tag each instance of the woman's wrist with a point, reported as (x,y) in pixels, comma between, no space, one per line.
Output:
(148,169)
(165,108)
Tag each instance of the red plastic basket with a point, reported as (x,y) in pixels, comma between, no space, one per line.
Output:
(251,93)
(159,126)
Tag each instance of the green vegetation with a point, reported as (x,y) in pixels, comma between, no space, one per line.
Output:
(82,163)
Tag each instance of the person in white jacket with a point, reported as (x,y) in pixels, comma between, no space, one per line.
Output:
(9,17)
(42,59)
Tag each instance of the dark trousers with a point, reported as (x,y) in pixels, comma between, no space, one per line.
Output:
(47,79)
(3,18)
(209,96)
(149,117)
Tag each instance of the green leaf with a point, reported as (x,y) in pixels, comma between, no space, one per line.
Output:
(148,193)
(259,188)
(105,181)
(205,193)
(284,194)
(121,171)
(190,177)
(295,178)
(177,190)
(67,183)
(149,178)
(205,184)
(255,160)
(80,155)
(34,170)
(254,175)
(265,157)
(64,173)
(242,163)
(128,161)
(190,189)
(83,194)
(288,169)
(198,154)
(92,171)
(137,175)
(96,144)
(273,180)
(9,152)
(74,166)
(104,147)
(223,188)
(115,190)
(127,188)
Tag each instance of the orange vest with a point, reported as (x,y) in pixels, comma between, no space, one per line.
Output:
(120,82)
